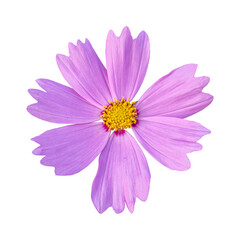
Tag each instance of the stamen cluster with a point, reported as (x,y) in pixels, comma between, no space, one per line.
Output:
(119,114)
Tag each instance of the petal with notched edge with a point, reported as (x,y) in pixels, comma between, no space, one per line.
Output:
(123,175)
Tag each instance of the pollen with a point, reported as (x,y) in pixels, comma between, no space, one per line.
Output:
(119,115)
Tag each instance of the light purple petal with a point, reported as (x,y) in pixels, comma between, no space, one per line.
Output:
(123,175)
(72,148)
(178,94)
(127,62)
(169,139)
(85,73)
(61,104)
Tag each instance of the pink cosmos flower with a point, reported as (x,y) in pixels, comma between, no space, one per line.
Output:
(97,93)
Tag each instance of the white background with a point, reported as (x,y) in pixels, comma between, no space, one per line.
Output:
(201,203)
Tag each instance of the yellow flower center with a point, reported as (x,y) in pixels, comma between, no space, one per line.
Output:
(119,115)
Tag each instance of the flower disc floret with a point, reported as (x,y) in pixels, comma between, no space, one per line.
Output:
(119,114)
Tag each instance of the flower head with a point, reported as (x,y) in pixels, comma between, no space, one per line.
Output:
(97,93)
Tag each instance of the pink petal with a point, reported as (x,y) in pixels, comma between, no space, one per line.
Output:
(178,94)
(169,139)
(61,104)
(127,62)
(85,73)
(71,148)
(123,175)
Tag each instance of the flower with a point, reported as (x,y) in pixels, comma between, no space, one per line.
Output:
(97,93)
